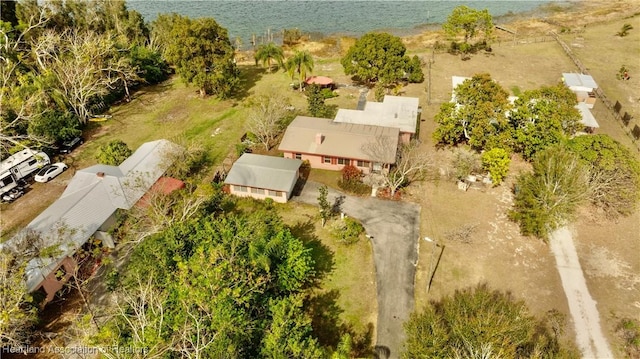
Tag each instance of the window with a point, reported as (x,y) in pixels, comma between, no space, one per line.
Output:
(257,190)
(278,193)
(363,163)
(254,190)
(298,156)
(272,193)
(327,160)
(33,162)
(241,188)
(343,161)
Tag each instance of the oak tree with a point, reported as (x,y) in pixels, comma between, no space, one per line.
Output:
(614,173)
(202,54)
(468,22)
(480,322)
(380,57)
(548,197)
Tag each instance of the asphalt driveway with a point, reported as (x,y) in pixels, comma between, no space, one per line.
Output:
(394,228)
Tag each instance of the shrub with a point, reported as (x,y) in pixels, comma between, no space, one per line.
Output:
(465,163)
(629,331)
(496,161)
(291,36)
(351,173)
(379,91)
(354,187)
(242,148)
(347,231)
(113,153)
(624,31)
(328,93)
(351,181)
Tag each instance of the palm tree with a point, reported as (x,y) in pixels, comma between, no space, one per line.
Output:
(300,63)
(269,52)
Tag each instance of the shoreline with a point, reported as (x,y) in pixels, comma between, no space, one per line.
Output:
(566,16)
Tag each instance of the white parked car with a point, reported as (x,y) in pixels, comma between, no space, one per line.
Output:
(47,172)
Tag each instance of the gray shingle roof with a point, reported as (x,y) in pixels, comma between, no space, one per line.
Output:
(339,139)
(268,172)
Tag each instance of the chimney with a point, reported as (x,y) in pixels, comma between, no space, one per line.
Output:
(319,138)
(100,174)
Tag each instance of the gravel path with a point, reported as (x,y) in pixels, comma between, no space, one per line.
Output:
(584,312)
(394,228)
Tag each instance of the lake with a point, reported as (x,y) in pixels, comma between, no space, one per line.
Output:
(243,19)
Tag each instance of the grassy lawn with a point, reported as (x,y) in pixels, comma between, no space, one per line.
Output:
(351,279)
(327,177)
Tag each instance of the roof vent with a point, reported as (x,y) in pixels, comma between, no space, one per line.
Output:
(100,174)
(319,138)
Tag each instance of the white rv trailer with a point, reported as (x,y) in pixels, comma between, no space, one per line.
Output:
(20,166)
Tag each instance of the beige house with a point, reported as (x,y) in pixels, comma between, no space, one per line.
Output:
(263,177)
(398,112)
(331,145)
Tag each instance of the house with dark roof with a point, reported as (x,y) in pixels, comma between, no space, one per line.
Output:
(86,209)
(331,145)
(263,177)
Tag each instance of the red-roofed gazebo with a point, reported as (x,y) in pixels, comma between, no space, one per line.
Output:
(321,81)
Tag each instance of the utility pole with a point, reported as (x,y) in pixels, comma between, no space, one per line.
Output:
(432,268)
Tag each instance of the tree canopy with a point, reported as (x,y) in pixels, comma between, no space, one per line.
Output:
(300,63)
(468,22)
(113,153)
(478,116)
(614,174)
(71,59)
(544,117)
(224,285)
(380,57)
(483,323)
(270,52)
(483,117)
(549,197)
(201,52)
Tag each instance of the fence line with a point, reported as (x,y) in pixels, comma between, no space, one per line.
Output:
(614,109)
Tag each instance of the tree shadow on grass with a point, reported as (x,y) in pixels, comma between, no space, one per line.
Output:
(328,328)
(249,76)
(323,255)
(325,317)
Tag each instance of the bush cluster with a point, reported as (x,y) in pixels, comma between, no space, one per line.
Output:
(347,231)
(351,181)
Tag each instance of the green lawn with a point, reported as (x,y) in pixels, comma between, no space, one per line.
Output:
(350,278)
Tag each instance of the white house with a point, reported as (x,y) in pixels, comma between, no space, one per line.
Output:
(394,111)
(583,86)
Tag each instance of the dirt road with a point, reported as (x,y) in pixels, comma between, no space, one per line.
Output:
(586,319)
